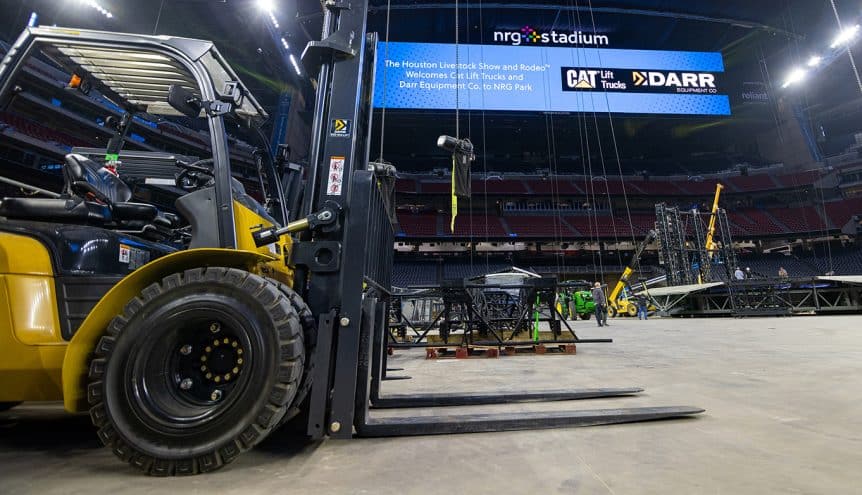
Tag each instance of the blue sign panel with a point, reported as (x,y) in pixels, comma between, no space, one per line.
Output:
(549,79)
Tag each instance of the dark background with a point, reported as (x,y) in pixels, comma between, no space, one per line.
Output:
(761,41)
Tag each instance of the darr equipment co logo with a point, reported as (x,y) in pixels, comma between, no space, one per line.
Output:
(529,35)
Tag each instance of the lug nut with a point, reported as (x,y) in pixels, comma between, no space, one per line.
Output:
(345,321)
(215,396)
(335,427)
(186,350)
(186,383)
(215,327)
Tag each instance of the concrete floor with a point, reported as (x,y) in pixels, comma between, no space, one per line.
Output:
(783,416)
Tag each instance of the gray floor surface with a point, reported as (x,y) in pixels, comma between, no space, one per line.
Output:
(783,416)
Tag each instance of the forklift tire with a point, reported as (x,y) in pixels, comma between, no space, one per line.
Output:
(632,311)
(585,316)
(198,368)
(5,406)
(612,312)
(309,334)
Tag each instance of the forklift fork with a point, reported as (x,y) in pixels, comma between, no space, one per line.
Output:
(350,271)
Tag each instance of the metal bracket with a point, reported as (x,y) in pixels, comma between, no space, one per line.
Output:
(342,42)
(336,4)
(318,256)
(217,108)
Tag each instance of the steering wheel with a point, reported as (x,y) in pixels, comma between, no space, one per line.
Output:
(195,175)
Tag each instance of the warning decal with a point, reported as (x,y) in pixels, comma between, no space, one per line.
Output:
(125,253)
(336,176)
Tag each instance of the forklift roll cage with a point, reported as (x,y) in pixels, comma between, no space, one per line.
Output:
(194,64)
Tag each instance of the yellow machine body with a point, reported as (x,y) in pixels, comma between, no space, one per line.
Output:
(31,346)
(37,364)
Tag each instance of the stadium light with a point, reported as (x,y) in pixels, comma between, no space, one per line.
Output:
(795,76)
(266,5)
(815,61)
(295,65)
(97,6)
(845,36)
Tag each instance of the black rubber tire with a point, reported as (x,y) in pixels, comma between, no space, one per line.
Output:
(309,333)
(585,316)
(153,425)
(612,311)
(5,406)
(632,310)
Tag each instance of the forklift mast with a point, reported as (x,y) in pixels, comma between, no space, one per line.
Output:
(344,267)
(354,253)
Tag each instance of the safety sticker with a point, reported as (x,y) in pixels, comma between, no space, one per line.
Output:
(125,253)
(340,128)
(336,176)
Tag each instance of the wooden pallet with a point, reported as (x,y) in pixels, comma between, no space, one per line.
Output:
(462,352)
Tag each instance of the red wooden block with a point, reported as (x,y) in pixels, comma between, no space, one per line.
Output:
(462,353)
(430,353)
(492,353)
(540,349)
(511,351)
(570,348)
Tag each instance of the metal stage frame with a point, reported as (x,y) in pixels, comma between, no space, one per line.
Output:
(762,297)
(485,315)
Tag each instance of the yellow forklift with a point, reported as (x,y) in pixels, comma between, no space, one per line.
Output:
(191,337)
(620,300)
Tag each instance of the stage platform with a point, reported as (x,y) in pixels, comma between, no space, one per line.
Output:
(762,297)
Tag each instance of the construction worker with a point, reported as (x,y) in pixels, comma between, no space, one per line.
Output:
(643,303)
(601,305)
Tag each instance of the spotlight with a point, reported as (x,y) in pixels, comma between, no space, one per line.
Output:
(815,61)
(95,5)
(845,36)
(266,5)
(795,76)
(284,44)
(295,65)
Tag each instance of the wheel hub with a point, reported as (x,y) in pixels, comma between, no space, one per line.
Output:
(222,360)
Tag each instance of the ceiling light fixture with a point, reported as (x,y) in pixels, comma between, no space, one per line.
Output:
(795,76)
(845,36)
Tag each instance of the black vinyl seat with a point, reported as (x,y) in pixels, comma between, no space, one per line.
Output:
(87,179)
(92,195)
(71,210)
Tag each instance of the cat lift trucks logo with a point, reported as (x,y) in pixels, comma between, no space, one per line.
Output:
(579,79)
(340,128)
(638,81)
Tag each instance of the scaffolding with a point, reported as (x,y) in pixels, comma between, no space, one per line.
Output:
(683,250)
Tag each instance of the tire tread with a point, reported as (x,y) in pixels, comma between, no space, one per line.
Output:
(284,308)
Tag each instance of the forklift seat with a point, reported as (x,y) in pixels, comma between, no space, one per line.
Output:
(69,210)
(87,179)
(92,195)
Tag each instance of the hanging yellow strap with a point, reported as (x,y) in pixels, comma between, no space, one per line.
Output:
(454,198)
